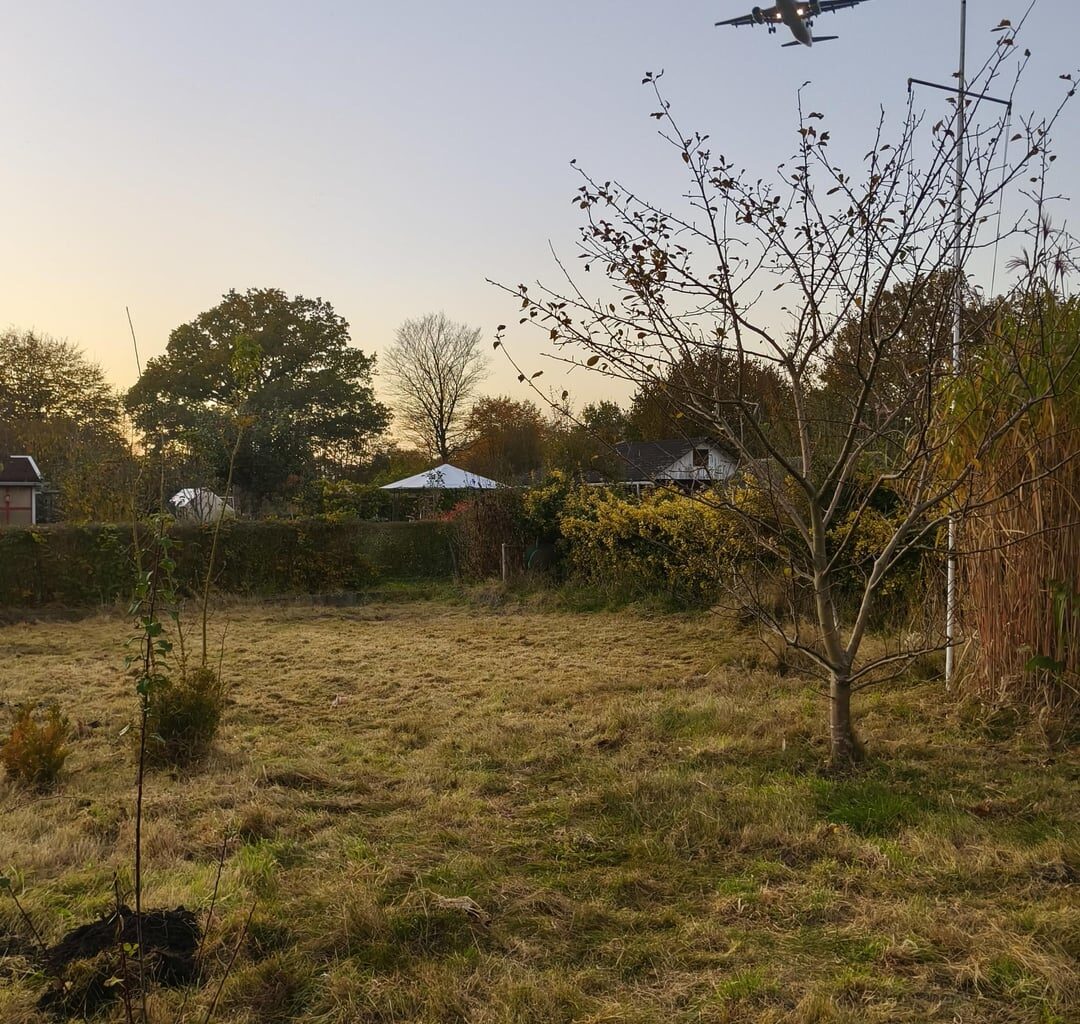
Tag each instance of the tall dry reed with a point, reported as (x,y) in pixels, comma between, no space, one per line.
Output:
(1021,575)
(1020,559)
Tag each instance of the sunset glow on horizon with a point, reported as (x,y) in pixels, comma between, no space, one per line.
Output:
(389,158)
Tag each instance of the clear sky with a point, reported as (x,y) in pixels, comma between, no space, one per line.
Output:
(389,156)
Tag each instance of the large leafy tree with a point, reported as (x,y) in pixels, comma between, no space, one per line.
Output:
(506,439)
(719,384)
(56,405)
(45,378)
(918,314)
(307,398)
(585,443)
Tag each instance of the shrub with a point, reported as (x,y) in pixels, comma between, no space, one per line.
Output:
(35,751)
(184,716)
(543,507)
(482,524)
(687,549)
(663,543)
(864,534)
(341,500)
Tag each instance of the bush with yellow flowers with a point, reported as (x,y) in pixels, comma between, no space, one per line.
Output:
(665,542)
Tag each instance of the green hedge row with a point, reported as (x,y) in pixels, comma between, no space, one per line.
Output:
(77,566)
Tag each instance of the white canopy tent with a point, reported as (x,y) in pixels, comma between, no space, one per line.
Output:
(443,478)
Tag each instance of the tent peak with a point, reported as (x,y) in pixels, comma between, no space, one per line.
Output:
(446,478)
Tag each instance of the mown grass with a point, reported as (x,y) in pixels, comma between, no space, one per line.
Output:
(634,800)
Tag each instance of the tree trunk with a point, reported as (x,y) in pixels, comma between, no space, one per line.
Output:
(844,747)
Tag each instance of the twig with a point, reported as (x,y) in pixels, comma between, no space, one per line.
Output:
(221,649)
(214,896)
(228,968)
(206,927)
(144,708)
(126,990)
(6,884)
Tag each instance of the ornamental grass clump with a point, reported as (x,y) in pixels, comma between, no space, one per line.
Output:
(35,750)
(183,717)
(1020,544)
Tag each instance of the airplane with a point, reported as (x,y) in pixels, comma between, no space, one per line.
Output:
(798,15)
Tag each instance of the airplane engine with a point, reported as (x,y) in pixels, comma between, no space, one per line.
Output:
(815,7)
(758,15)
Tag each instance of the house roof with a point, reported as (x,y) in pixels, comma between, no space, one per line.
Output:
(19,469)
(646,460)
(444,477)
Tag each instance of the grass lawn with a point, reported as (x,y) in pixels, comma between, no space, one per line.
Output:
(635,800)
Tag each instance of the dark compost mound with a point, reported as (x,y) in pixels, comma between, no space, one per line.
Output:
(84,960)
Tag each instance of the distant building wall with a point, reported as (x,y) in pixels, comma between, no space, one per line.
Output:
(717,466)
(18,505)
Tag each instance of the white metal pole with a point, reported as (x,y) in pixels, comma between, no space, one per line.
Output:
(958,309)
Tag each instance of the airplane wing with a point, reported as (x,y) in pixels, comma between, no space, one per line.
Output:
(767,14)
(838,5)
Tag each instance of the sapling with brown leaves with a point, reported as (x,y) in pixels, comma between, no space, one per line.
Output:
(788,279)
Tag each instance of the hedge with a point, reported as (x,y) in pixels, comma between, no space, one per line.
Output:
(77,566)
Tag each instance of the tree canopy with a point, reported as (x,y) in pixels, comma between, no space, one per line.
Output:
(700,388)
(307,397)
(506,439)
(584,444)
(45,378)
(56,405)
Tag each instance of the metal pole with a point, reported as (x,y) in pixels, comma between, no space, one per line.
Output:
(958,309)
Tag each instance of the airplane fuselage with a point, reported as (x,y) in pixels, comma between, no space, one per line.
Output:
(789,13)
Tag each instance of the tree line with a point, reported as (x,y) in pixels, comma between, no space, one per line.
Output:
(304,410)
(310,410)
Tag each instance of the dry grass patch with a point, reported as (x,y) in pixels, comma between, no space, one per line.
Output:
(635,800)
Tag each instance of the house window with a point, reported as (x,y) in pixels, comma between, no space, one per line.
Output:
(701,458)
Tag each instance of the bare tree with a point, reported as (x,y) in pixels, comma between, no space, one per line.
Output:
(821,265)
(435,367)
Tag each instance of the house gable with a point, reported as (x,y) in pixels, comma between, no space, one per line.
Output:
(680,460)
(702,462)
(20,481)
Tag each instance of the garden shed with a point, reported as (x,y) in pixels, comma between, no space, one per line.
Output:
(20,485)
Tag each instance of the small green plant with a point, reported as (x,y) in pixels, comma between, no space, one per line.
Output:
(35,749)
(183,716)
(1063,602)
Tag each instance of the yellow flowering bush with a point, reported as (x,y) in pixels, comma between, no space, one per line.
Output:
(685,547)
(665,542)
(864,537)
